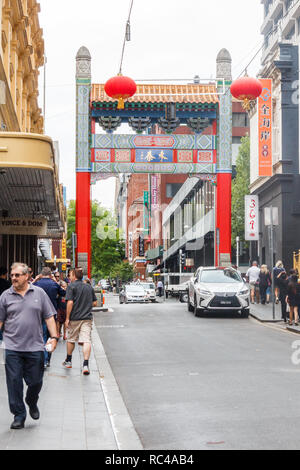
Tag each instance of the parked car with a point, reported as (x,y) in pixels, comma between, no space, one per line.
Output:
(150,290)
(218,289)
(132,293)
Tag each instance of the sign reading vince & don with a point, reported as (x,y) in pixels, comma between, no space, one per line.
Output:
(10,226)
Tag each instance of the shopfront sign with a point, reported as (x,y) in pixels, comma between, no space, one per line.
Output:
(14,226)
(265,129)
(251,218)
(130,247)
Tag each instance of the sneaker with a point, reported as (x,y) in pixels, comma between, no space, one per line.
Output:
(86,370)
(67,364)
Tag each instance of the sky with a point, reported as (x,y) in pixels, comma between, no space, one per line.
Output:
(170,39)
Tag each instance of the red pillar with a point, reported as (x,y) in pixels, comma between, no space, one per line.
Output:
(223,215)
(83,219)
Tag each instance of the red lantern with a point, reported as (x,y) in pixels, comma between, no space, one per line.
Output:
(246,89)
(120,88)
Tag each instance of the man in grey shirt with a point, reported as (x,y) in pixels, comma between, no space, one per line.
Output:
(22,310)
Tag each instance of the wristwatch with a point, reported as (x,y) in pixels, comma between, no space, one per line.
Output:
(54,337)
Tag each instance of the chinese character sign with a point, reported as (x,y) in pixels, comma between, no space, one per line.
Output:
(265,128)
(251,218)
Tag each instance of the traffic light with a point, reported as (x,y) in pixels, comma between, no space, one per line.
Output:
(182,258)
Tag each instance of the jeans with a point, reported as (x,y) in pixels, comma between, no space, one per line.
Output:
(30,367)
(263,293)
(283,309)
(46,336)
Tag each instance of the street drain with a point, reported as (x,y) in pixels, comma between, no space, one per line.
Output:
(215,443)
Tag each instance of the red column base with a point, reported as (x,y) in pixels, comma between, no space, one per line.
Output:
(223,217)
(83,221)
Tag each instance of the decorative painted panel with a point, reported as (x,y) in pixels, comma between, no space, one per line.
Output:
(185,156)
(102,155)
(224,159)
(122,156)
(205,157)
(181,142)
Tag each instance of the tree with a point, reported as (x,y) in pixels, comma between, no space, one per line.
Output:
(124,271)
(107,248)
(240,188)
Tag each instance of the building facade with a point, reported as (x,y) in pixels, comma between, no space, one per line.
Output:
(31,198)
(22,54)
(280,62)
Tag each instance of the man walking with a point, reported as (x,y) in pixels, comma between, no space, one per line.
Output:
(252,276)
(23,308)
(160,288)
(80,299)
(54,291)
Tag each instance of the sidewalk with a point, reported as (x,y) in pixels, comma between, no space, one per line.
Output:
(74,408)
(264,314)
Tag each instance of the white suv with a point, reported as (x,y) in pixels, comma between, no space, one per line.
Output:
(218,290)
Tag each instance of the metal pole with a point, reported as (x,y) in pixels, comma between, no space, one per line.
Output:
(180,266)
(164,282)
(272,260)
(237,251)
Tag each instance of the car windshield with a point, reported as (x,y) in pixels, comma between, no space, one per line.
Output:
(220,276)
(148,286)
(134,289)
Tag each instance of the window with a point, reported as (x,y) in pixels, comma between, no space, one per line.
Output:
(240,120)
(291,34)
(172,189)
(236,140)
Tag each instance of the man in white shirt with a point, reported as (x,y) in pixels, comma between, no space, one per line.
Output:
(252,277)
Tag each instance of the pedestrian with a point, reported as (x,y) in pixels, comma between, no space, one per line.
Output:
(265,283)
(4,285)
(53,290)
(23,307)
(30,274)
(276,271)
(252,277)
(292,299)
(160,288)
(80,299)
(61,312)
(282,282)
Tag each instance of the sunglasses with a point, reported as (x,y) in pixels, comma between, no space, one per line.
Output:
(17,275)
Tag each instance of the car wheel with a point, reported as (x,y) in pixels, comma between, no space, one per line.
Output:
(245,313)
(196,309)
(183,298)
(189,306)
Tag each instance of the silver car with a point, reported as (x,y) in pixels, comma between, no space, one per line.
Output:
(132,293)
(150,290)
(219,289)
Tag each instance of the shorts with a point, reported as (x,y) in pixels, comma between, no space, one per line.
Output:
(80,331)
(253,286)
